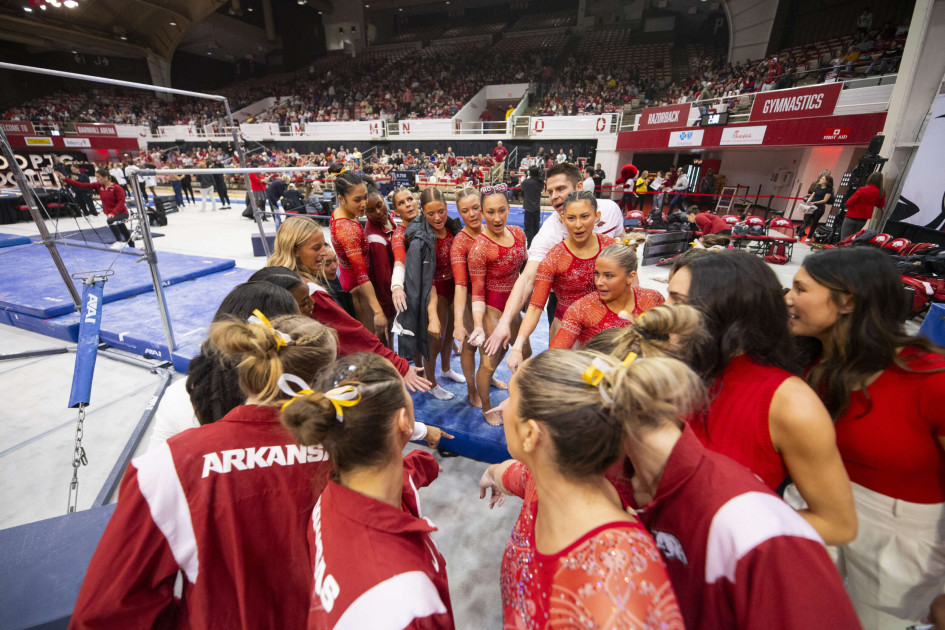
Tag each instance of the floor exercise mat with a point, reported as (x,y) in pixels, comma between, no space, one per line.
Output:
(31,285)
(97,235)
(134,324)
(472,436)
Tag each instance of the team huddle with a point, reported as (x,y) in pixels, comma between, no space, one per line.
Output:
(682,462)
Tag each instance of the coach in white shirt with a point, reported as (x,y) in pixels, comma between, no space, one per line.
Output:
(561,181)
(588,184)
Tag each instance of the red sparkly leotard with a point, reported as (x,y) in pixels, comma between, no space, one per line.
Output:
(347,238)
(443,274)
(571,277)
(399,244)
(589,315)
(493,268)
(611,577)
(459,254)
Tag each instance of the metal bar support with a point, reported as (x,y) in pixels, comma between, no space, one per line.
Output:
(32,203)
(151,257)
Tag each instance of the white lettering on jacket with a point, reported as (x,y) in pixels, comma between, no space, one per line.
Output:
(326,587)
(261,457)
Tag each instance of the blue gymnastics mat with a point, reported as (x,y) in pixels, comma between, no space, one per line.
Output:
(472,436)
(9,240)
(134,324)
(31,285)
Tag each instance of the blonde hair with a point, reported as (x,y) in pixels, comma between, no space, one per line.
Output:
(623,253)
(292,234)
(651,392)
(263,359)
(585,435)
(650,334)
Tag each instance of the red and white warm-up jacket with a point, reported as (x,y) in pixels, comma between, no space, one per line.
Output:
(227,505)
(738,556)
(374,565)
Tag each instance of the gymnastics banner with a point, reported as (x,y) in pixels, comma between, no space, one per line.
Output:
(17,128)
(665,117)
(922,200)
(803,102)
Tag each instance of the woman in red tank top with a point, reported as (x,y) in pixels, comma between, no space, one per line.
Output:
(494,265)
(886,392)
(568,269)
(347,238)
(761,415)
(407,209)
(615,303)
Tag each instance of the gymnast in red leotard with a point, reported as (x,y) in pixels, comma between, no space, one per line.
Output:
(615,303)
(568,269)
(494,264)
(347,238)
(407,209)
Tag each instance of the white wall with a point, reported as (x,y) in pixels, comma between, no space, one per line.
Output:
(751,167)
(751,23)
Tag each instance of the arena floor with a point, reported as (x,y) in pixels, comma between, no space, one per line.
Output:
(36,436)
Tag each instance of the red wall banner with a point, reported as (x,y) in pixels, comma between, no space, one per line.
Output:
(804,102)
(665,117)
(797,132)
(17,128)
(95,130)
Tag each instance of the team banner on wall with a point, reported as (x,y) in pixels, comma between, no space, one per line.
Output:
(803,102)
(663,117)
(922,201)
(17,128)
(95,130)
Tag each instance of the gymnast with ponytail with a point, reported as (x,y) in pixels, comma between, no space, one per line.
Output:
(350,245)
(576,558)
(226,504)
(372,557)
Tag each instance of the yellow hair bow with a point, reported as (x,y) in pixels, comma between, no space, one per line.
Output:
(341,397)
(261,320)
(595,372)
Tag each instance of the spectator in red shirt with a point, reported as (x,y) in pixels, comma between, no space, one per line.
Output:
(707,222)
(860,205)
(113,204)
(499,153)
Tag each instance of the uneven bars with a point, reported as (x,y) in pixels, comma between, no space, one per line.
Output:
(88,77)
(152,172)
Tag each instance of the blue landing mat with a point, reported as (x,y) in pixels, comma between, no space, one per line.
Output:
(98,236)
(31,285)
(134,324)
(9,240)
(472,436)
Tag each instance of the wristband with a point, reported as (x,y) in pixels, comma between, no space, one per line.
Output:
(397,277)
(419,431)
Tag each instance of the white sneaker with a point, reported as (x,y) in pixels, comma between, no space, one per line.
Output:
(452,375)
(117,245)
(441,394)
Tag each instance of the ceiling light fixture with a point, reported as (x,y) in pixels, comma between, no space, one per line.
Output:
(173,23)
(42,7)
(123,38)
(28,9)
(71,4)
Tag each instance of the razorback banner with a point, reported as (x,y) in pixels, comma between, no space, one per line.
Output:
(664,117)
(815,100)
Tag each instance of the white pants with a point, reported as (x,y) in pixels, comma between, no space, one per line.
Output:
(207,193)
(896,565)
